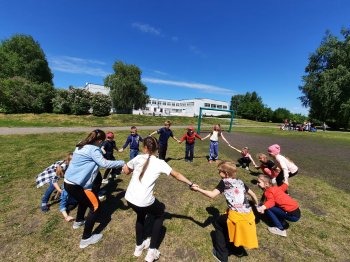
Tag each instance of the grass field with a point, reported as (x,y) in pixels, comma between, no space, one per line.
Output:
(322,233)
(57,120)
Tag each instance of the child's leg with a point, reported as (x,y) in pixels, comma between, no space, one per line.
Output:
(133,153)
(162,151)
(221,237)
(187,150)
(107,171)
(157,210)
(191,152)
(277,215)
(140,223)
(46,197)
(211,151)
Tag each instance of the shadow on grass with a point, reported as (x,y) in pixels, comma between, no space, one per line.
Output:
(168,159)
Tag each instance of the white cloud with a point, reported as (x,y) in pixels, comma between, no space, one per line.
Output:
(202,87)
(160,72)
(76,65)
(145,28)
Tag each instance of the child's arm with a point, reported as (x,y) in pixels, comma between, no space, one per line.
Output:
(177,140)
(198,136)
(153,133)
(125,145)
(127,170)
(103,150)
(211,194)
(251,159)
(239,151)
(181,178)
(57,187)
(223,138)
(206,137)
(253,196)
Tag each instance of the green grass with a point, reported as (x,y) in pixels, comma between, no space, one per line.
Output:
(29,235)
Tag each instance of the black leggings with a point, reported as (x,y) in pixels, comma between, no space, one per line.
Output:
(157,210)
(280,177)
(86,199)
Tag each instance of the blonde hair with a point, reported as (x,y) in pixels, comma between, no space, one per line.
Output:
(228,167)
(265,178)
(261,155)
(168,122)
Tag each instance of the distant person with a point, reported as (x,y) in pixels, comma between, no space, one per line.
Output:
(190,137)
(287,167)
(238,223)
(134,140)
(278,206)
(146,169)
(50,176)
(214,142)
(245,158)
(268,167)
(107,147)
(324,126)
(164,134)
(80,179)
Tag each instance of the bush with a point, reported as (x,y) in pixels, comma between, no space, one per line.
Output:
(61,103)
(18,95)
(79,100)
(101,105)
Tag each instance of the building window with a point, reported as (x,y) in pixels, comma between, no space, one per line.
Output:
(213,106)
(173,104)
(177,104)
(225,107)
(219,106)
(206,105)
(168,104)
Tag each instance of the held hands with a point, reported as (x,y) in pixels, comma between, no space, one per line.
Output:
(120,150)
(260,209)
(195,187)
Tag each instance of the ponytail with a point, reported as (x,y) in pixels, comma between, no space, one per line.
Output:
(95,135)
(152,146)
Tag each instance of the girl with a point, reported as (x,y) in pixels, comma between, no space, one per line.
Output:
(287,167)
(50,176)
(107,148)
(268,167)
(79,179)
(238,224)
(278,206)
(190,137)
(214,143)
(246,158)
(146,169)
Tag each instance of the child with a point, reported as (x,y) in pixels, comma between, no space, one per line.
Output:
(165,133)
(190,137)
(50,176)
(146,169)
(79,179)
(214,143)
(278,206)
(134,140)
(268,167)
(66,200)
(287,167)
(238,224)
(107,148)
(246,158)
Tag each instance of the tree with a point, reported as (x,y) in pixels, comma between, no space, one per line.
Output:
(19,95)
(101,105)
(280,114)
(126,89)
(61,103)
(327,80)
(21,56)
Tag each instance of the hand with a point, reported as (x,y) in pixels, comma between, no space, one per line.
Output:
(195,187)
(120,150)
(260,209)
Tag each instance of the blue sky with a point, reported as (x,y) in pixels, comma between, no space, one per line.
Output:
(185,49)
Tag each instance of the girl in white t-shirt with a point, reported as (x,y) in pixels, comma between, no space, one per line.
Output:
(214,143)
(287,167)
(146,169)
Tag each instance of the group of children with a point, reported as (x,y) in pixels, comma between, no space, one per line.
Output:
(82,181)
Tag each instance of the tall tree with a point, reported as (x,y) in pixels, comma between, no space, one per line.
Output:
(126,89)
(21,56)
(327,80)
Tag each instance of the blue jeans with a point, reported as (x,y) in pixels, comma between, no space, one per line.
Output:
(66,200)
(189,151)
(278,215)
(214,150)
(133,153)
(47,195)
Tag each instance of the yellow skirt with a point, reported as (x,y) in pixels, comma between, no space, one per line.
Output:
(242,229)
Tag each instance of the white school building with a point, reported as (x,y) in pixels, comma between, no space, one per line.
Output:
(171,107)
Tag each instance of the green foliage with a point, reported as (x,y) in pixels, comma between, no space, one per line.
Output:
(280,114)
(61,104)
(22,56)
(18,95)
(126,89)
(326,84)
(79,100)
(101,105)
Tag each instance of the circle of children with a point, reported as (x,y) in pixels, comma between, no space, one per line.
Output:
(82,181)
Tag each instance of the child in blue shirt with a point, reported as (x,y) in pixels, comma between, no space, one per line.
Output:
(107,147)
(134,140)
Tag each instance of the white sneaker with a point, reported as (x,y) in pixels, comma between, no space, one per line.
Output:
(101,198)
(90,241)
(277,231)
(247,168)
(105,181)
(76,224)
(152,255)
(138,249)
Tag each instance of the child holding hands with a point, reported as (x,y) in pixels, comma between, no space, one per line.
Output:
(245,159)
(214,143)
(190,137)
(268,167)
(239,221)
(134,140)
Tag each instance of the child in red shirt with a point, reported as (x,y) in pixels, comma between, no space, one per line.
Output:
(190,137)
(278,206)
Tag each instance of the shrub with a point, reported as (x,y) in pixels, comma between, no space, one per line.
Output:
(101,105)
(61,103)
(79,100)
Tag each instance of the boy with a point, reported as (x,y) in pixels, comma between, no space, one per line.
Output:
(190,137)
(134,140)
(107,148)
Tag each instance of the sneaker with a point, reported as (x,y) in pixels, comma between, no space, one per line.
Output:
(101,198)
(45,208)
(105,181)
(152,255)
(76,224)
(138,249)
(215,255)
(277,231)
(247,168)
(90,241)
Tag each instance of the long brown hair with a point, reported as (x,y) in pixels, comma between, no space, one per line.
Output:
(95,135)
(152,147)
(217,127)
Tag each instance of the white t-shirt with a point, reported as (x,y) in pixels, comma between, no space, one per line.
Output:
(285,164)
(215,136)
(140,193)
